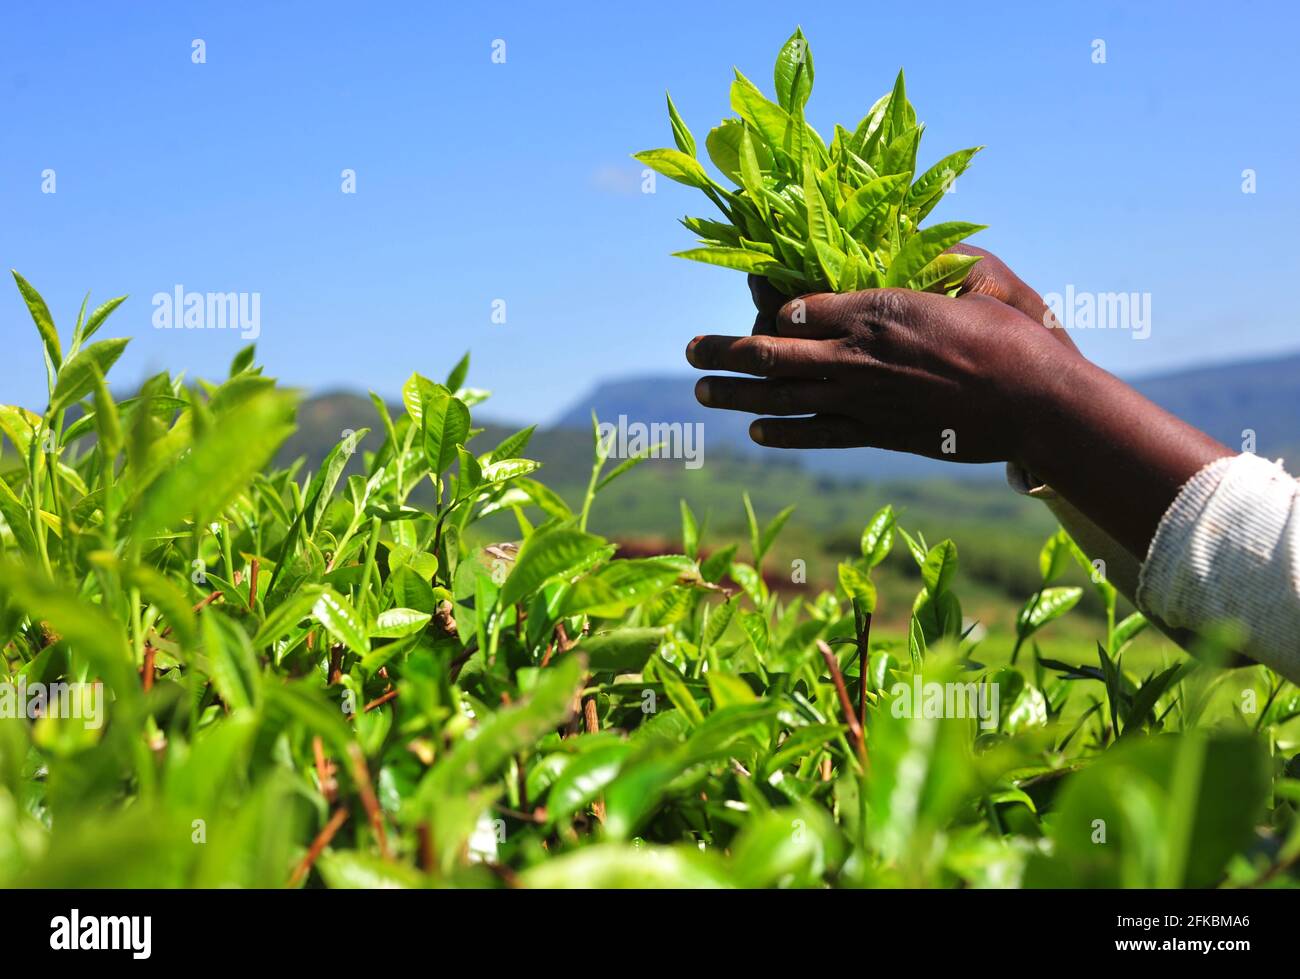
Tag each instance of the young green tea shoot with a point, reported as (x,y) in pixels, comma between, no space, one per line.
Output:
(812,216)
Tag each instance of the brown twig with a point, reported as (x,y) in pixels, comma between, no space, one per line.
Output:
(362,776)
(558,638)
(382,699)
(537,816)
(207,600)
(1276,870)
(506,875)
(574,724)
(324,771)
(425,836)
(593,727)
(560,641)
(147,670)
(855,729)
(203,603)
(459,662)
(317,845)
(336,664)
(562,636)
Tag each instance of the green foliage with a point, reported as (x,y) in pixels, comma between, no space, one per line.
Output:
(310,680)
(813,216)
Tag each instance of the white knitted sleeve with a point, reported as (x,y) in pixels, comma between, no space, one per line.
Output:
(1228,549)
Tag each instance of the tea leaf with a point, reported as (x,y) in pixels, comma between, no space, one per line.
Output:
(77,377)
(341,621)
(681,134)
(220,463)
(1050,604)
(559,550)
(40,314)
(101,313)
(444,423)
(732,258)
(676,165)
(794,72)
(924,247)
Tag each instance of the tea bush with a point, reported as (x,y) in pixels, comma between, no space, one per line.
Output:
(309,681)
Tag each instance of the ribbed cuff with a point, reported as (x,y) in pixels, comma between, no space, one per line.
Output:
(1221,553)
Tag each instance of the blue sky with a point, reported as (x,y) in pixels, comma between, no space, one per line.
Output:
(479,181)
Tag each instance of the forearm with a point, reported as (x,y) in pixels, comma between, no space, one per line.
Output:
(1090,433)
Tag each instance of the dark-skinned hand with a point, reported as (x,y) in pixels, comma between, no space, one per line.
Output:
(892,368)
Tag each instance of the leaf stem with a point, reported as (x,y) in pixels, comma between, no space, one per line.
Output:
(856,735)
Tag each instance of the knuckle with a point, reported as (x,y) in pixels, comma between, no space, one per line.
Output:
(763,353)
(877,309)
(794,312)
(983,295)
(892,305)
(983,283)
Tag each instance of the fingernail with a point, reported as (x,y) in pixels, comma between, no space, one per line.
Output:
(756,431)
(703,391)
(690,351)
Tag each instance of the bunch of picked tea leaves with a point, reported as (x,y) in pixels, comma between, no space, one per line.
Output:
(811,217)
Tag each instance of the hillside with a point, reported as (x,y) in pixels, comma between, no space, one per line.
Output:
(1226,399)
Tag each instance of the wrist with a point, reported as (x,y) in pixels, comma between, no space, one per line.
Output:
(1047,409)
(1085,432)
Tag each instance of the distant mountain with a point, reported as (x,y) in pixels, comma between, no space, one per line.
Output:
(1223,400)
(565,450)
(1227,399)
